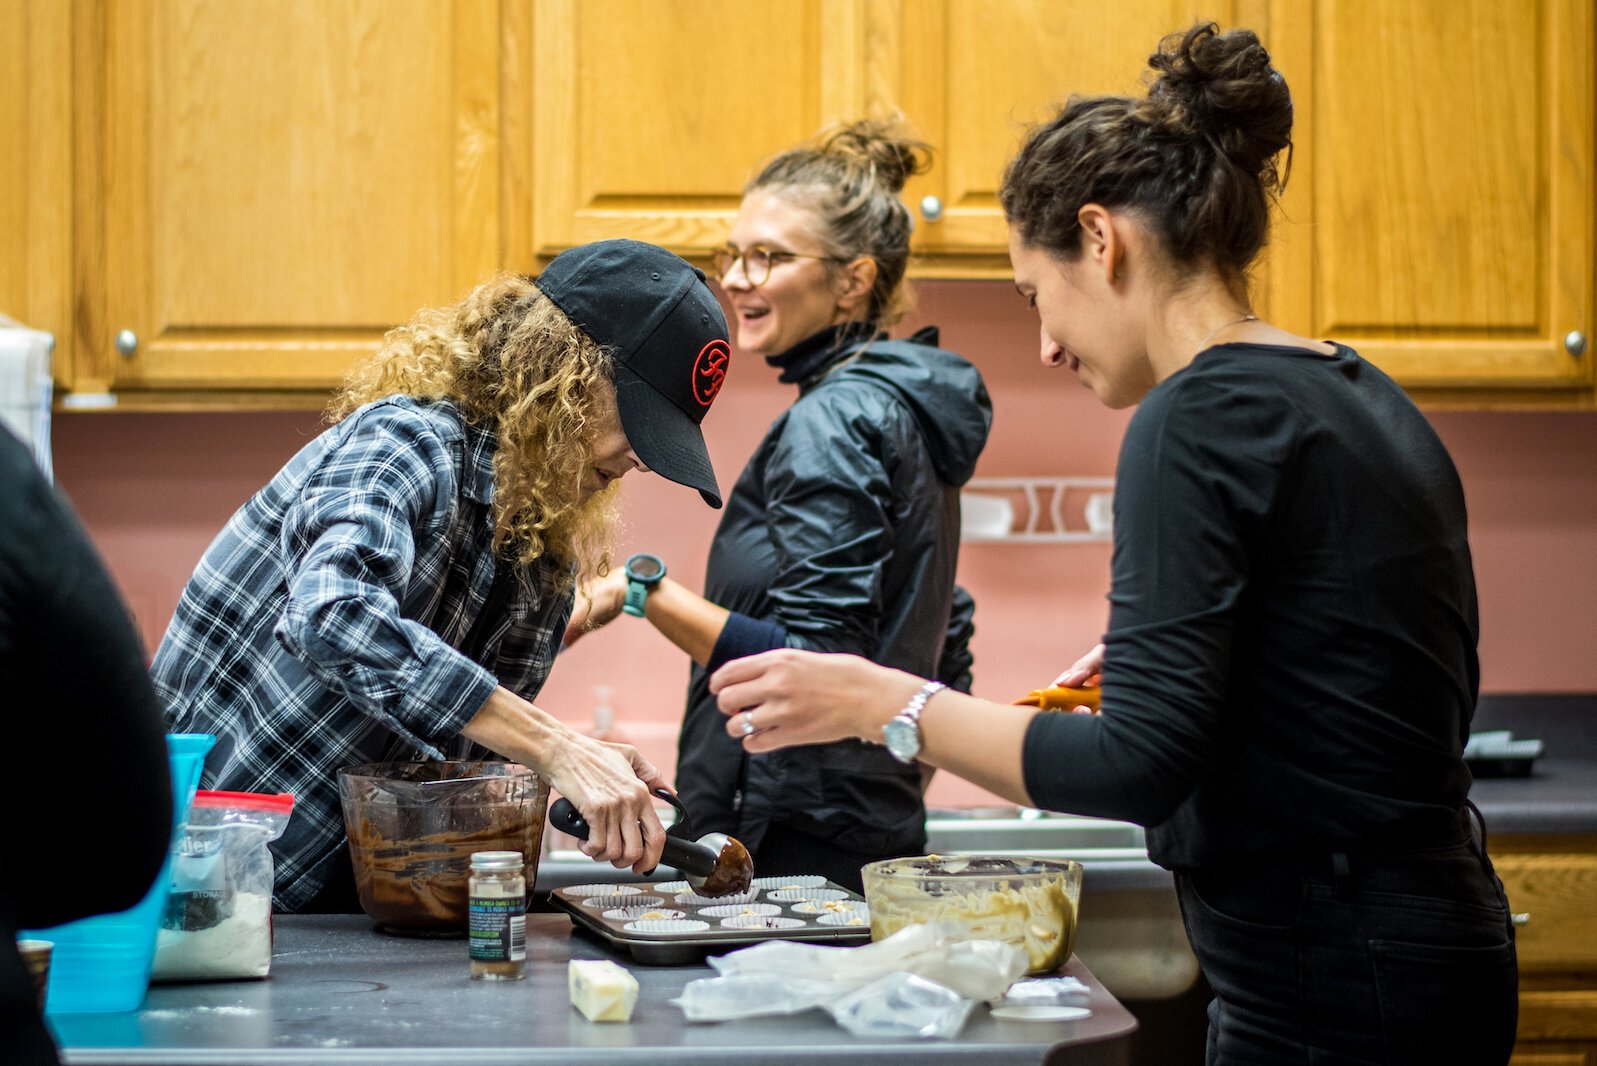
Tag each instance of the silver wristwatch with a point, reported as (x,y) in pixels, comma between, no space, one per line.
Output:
(902,733)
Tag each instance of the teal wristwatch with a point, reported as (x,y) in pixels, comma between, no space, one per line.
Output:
(643,571)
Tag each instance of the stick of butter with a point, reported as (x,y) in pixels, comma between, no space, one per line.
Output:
(601,990)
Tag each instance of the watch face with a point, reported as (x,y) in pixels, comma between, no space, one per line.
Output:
(645,568)
(902,738)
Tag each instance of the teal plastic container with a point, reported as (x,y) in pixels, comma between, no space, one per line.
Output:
(103,963)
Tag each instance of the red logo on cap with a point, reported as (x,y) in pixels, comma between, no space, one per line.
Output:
(709,371)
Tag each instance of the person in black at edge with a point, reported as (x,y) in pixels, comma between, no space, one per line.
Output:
(70,663)
(1290,666)
(843,530)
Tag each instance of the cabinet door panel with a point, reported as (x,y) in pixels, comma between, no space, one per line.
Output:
(1557,893)
(284,181)
(977,73)
(649,116)
(1440,214)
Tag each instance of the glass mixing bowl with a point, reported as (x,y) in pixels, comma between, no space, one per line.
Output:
(1031,903)
(412,828)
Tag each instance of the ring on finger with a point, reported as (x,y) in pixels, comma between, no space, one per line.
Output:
(748,723)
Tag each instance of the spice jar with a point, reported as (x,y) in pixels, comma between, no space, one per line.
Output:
(497,924)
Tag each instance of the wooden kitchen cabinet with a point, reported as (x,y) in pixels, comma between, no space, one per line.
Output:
(1551,883)
(248,195)
(1440,211)
(263,189)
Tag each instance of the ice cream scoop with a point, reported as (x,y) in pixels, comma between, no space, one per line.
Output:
(713,865)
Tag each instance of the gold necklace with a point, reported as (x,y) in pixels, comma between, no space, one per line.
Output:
(1249,317)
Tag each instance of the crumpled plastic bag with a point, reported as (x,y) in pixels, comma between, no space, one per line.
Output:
(785,977)
(902,1005)
(1046,991)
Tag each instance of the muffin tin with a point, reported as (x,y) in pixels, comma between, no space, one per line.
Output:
(774,901)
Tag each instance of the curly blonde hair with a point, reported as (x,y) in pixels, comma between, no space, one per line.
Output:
(510,359)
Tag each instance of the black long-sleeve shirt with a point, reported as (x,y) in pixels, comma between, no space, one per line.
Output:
(1291,656)
(85,727)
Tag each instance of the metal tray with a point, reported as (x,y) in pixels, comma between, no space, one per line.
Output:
(684,949)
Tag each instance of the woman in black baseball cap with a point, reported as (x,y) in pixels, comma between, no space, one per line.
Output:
(400,587)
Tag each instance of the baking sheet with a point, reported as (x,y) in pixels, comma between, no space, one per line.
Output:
(681,949)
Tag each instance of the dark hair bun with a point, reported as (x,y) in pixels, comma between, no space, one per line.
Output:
(1221,87)
(880,146)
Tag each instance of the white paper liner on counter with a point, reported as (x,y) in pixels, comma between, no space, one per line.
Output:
(761,921)
(734,910)
(693,899)
(605,903)
(670,926)
(799,895)
(790,881)
(604,890)
(633,914)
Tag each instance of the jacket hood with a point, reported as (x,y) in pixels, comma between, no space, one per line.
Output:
(944,391)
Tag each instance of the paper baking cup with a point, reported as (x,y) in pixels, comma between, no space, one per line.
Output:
(828,906)
(668,926)
(798,895)
(649,914)
(853,919)
(605,903)
(735,910)
(671,888)
(760,921)
(790,881)
(693,899)
(604,890)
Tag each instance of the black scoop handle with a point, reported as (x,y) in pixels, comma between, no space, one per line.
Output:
(689,856)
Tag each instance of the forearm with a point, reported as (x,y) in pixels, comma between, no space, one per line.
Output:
(518,730)
(978,740)
(685,618)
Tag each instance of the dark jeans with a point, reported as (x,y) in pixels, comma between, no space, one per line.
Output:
(1366,957)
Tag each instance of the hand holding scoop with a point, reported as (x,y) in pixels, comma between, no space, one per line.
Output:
(714,865)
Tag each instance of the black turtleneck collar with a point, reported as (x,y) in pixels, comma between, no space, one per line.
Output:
(806,359)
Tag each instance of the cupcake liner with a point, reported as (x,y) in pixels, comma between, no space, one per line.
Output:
(857,919)
(671,888)
(827,906)
(605,903)
(604,890)
(760,921)
(797,895)
(669,926)
(693,899)
(790,881)
(633,914)
(734,910)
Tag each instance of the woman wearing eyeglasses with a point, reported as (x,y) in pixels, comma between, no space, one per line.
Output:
(842,532)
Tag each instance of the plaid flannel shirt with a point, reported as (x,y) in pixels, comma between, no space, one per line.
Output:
(320,627)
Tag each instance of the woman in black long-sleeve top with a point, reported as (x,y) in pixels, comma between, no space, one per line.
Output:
(1290,667)
(82,715)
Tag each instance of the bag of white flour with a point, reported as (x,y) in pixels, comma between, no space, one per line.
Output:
(218,920)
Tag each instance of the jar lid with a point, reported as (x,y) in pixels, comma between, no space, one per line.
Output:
(496,860)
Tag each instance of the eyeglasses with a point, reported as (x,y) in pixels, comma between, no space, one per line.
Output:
(758,261)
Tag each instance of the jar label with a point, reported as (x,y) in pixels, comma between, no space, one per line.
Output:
(497,928)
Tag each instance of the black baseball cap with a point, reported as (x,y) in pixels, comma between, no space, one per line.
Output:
(655,314)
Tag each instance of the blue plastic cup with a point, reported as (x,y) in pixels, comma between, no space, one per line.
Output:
(103,963)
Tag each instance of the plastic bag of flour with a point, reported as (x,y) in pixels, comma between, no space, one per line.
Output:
(218,920)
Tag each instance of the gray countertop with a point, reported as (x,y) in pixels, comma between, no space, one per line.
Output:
(343,994)
(1560,795)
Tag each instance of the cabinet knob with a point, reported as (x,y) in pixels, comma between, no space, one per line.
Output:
(931,208)
(127,342)
(1522,918)
(1575,343)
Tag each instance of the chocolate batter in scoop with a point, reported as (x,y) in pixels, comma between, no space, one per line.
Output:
(713,865)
